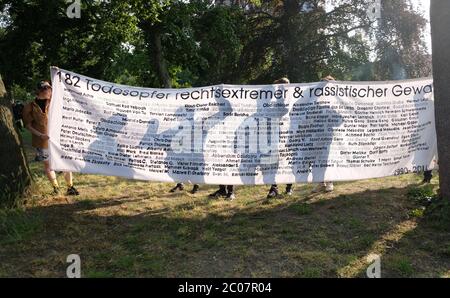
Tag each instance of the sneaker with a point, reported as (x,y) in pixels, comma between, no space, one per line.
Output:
(230,196)
(426,180)
(218,194)
(55,191)
(288,191)
(273,193)
(72,191)
(195,189)
(179,187)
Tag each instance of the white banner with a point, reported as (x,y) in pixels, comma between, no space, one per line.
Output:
(232,134)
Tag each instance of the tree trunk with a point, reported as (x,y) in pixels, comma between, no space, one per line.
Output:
(440,24)
(15,176)
(160,62)
(152,35)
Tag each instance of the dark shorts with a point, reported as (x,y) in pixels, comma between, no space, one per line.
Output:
(42,154)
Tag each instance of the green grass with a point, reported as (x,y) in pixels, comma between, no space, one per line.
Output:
(16,226)
(302,209)
(126,228)
(421,194)
(402,266)
(417,212)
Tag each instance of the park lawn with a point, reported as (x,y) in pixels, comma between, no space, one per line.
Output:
(126,228)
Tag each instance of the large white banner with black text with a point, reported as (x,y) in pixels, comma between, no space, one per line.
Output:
(242,134)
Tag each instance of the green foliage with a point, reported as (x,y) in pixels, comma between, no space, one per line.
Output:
(400,49)
(14,187)
(201,44)
(18,93)
(418,212)
(220,33)
(434,210)
(402,265)
(422,195)
(438,214)
(305,42)
(40,35)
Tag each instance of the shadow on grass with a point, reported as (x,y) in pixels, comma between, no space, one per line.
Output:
(285,238)
(420,247)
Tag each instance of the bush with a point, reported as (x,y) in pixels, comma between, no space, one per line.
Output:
(422,195)
(438,214)
(19,93)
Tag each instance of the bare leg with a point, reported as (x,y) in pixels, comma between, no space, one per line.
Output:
(50,174)
(69,178)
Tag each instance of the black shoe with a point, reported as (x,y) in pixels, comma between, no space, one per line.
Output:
(55,191)
(427,176)
(230,196)
(218,194)
(273,193)
(426,180)
(288,190)
(195,189)
(71,191)
(179,187)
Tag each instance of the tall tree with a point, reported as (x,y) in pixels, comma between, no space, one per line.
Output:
(193,43)
(400,47)
(303,39)
(149,21)
(440,22)
(14,173)
(39,34)
(189,43)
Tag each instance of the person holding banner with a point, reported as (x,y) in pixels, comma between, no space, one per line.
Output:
(273,191)
(225,191)
(325,186)
(427,176)
(35,118)
(206,124)
(180,187)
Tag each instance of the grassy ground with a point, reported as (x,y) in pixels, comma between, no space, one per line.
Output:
(125,228)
